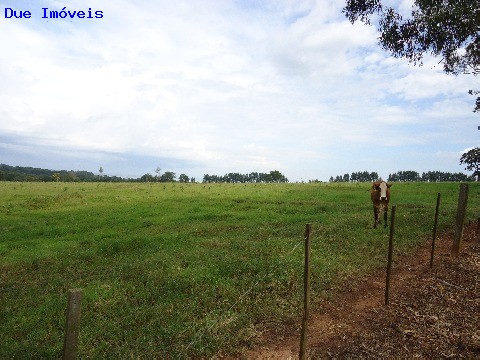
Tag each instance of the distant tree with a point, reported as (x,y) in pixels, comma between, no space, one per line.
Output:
(158,171)
(431,176)
(472,161)
(56,177)
(360,176)
(446,176)
(405,176)
(233,178)
(147,178)
(446,28)
(168,176)
(71,176)
(412,176)
(19,173)
(278,177)
(183,178)
(477,102)
(254,177)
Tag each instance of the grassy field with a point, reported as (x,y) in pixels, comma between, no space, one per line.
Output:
(187,270)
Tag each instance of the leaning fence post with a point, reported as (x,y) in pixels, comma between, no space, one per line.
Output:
(434,230)
(390,255)
(306,293)
(461,210)
(70,343)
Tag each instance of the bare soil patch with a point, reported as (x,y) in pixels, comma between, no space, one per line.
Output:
(433,313)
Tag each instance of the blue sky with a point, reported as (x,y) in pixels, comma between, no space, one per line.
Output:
(209,86)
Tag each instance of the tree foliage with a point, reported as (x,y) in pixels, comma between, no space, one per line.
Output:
(472,161)
(183,178)
(429,176)
(403,176)
(168,176)
(20,173)
(274,176)
(360,176)
(147,178)
(445,28)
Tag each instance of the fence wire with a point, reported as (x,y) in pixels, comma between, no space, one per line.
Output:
(208,329)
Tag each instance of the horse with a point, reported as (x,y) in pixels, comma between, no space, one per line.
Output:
(380,195)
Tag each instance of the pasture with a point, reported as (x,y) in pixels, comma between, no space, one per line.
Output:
(188,269)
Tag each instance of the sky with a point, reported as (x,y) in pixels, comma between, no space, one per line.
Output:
(217,86)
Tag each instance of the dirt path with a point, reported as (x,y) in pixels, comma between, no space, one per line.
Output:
(432,313)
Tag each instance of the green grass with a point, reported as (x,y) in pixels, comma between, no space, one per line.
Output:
(187,270)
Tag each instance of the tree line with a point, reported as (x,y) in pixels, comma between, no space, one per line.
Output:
(274,176)
(361,176)
(430,176)
(404,176)
(19,173)
(168,176)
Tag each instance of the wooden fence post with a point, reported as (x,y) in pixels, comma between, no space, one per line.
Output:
(478,230)
(70,343)
(306,293)
(461,210)
(390,255)
(434,230)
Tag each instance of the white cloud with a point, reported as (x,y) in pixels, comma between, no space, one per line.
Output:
(204,81)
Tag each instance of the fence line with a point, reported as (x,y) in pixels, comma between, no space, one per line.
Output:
(460,220)
(435,223)
(199,334)
(219,323)
(306,294)
(390,255)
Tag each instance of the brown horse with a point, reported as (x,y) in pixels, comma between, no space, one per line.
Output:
(380,195)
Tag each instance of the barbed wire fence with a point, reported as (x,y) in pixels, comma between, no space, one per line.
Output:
(216,324)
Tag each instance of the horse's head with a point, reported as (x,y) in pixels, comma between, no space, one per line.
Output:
(381,189)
